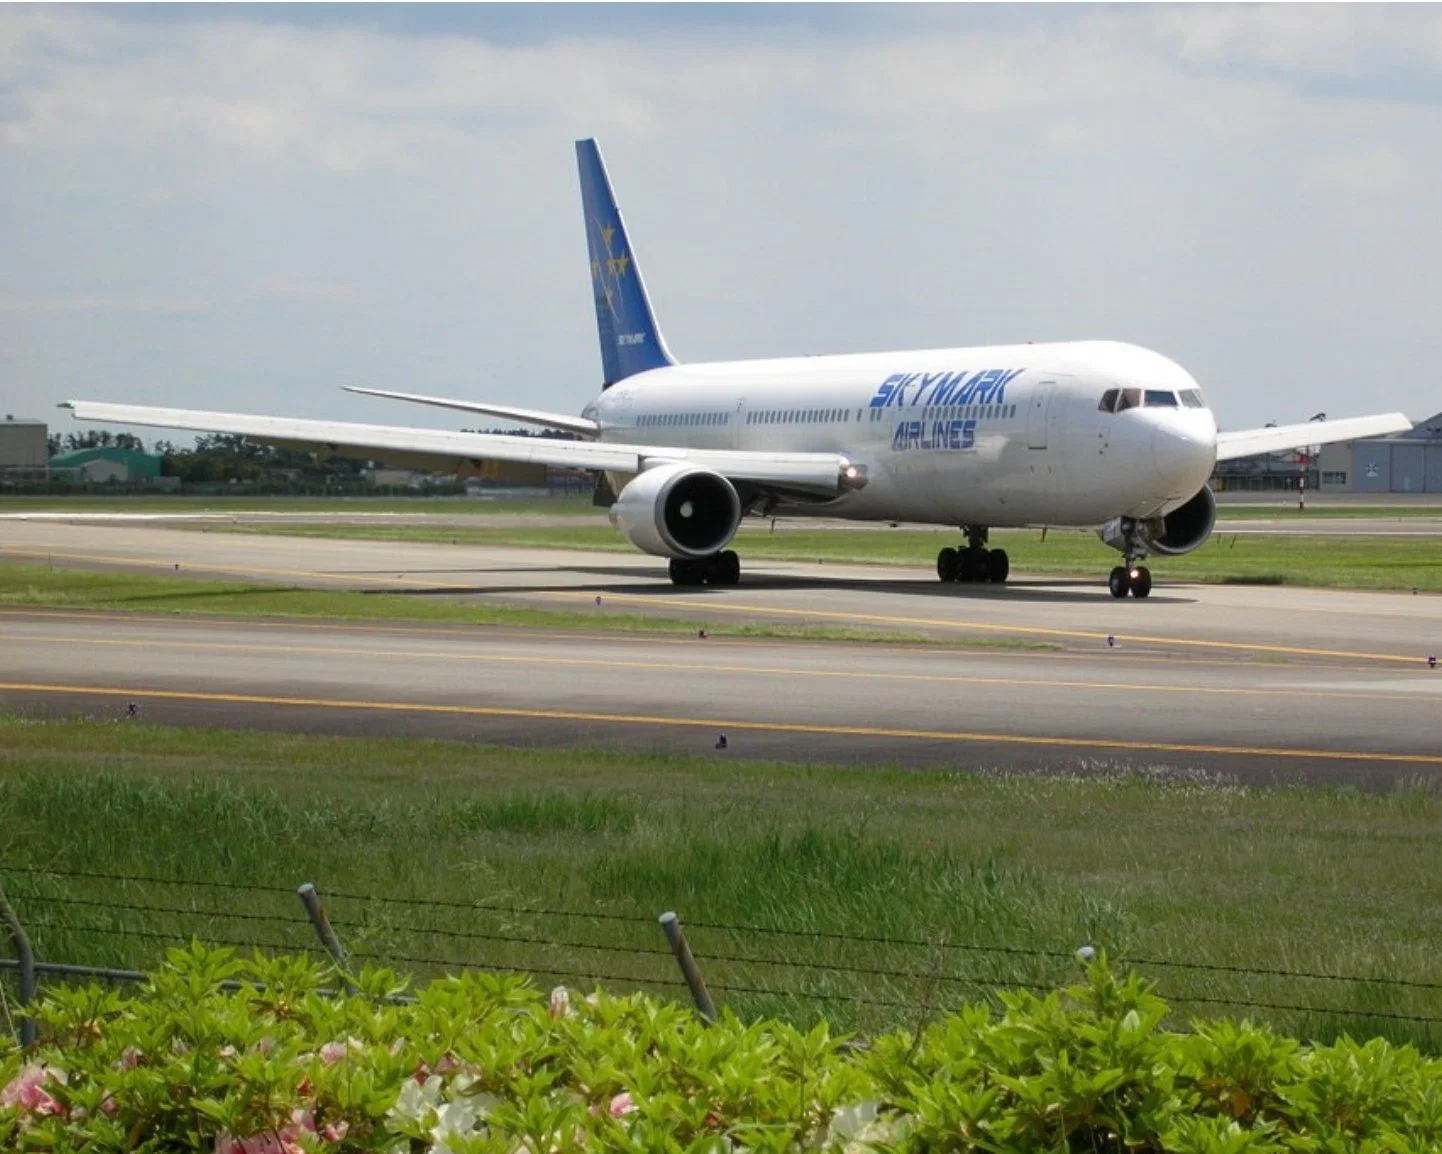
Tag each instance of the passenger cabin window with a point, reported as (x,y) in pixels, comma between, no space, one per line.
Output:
(1161,399)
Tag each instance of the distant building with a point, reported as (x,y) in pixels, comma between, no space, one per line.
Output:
(103,466)
(1409,462)
(24,452)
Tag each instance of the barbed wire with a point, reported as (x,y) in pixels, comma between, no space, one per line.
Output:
(720,927)
(1340,1011)
(117,931)
(136,907)
(986,983)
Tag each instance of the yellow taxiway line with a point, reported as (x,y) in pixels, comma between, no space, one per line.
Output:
(721,724)
(487,658)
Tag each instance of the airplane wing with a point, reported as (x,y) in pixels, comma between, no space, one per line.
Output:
(1279,438)
(461,453)
(582,425)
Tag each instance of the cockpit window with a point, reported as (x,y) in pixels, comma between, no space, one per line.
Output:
(1129,399)
(1109,401)
(1192,398)
(1161,399)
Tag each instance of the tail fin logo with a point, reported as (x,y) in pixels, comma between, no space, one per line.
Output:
(631,342)
(615,267)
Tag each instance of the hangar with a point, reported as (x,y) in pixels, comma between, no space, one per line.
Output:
(1409,462)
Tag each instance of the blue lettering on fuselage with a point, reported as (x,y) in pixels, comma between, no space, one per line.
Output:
(933,435)
(954,387)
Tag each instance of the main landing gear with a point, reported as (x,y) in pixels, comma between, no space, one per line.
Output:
(722,568)
(975,563)
(1133,577)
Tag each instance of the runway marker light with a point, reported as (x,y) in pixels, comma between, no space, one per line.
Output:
(598,599)
(701,633)
(1432,662)
(1111,641)
(721,742)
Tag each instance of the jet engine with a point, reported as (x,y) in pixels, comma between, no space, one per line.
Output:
(679,511)
(1185,528)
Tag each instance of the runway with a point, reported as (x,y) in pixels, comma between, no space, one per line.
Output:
(1258,684)
(799,701)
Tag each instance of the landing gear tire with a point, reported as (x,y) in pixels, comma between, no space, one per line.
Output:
(719,569)
(685,571)
(724,569)
(1141,582)
(963,566)
(1119,582)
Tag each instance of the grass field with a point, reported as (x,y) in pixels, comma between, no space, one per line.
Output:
(1157,867)
(1340,562)
(38,586)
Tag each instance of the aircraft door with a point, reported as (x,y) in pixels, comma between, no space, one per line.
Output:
(1038,415)
(738,424)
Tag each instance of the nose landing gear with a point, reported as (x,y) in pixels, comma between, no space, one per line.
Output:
(975,563)
(1133,577)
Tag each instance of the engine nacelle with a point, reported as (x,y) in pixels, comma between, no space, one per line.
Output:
(678,511)
(1185,528)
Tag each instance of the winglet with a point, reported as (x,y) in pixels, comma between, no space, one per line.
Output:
(631,341)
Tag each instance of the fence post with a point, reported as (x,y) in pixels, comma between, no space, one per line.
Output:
(311,901)
(26,957)
(699,993)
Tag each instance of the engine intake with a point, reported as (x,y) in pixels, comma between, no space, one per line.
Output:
(1185,528)
(678,511)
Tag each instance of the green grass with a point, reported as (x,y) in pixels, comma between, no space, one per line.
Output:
(1338,562)
(37,586)
(1157,866)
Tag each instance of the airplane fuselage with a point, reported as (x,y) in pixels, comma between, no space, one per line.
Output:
(1008,435)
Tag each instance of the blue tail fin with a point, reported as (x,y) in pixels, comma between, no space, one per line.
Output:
(631,342)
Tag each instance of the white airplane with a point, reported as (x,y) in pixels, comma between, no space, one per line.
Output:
(1092,434)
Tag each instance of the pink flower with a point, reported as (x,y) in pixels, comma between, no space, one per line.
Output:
(284,1141)
(130,1058)
(621,1105)
(109,1107)
(335,1131)
(332,1052)
(26,1091)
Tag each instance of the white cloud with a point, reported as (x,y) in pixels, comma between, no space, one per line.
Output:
(350,205)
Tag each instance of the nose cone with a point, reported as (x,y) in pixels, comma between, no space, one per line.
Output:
(1184,451)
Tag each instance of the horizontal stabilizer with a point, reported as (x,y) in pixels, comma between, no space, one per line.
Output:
(582,426)
(1280,438)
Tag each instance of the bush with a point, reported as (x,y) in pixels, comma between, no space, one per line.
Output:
(254,1056)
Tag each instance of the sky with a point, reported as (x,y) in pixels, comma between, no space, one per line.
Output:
(246,208)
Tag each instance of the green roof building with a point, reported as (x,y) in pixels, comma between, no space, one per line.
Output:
(100,466)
